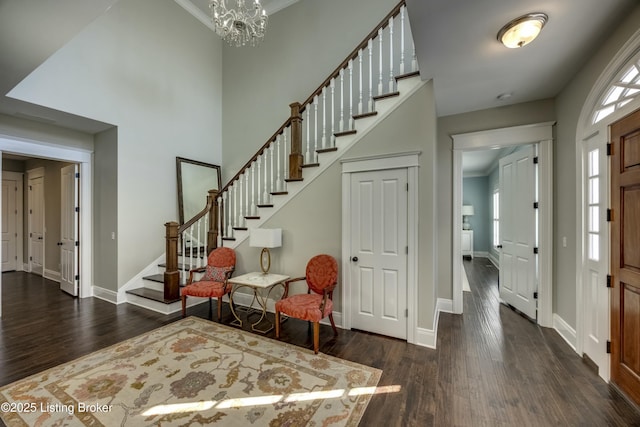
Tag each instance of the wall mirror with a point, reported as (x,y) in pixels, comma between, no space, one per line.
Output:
(195,179)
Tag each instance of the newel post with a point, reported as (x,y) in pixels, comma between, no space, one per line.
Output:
(295,158)
(171,274)
(212,234)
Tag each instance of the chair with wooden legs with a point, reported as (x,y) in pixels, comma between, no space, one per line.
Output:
(321,277)
(214,283)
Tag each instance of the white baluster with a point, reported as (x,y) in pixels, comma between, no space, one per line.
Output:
(315,120)
(350,94)
(279,179)
(402,40)
(254,208)
(235,203)
(414,59)
(341,121)
(285,158)
(380,62)
(184,249)
(391,55)
(198,241)
(229,217)
(333,113)
(360,82)
(240,205)
(259,177)
(246,193)
(265,193)
(324,117)
(191,249)
(370,47)
(273,171)
(307,156)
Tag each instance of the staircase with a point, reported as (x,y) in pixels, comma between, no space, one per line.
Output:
(376,78)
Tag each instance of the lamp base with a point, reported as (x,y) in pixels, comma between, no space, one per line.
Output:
(265,255)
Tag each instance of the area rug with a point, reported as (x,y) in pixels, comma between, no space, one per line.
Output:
(194,372)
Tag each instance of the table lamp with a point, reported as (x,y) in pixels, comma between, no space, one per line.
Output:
(265,238)
(467,211)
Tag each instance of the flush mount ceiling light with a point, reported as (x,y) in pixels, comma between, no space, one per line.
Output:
(523,30)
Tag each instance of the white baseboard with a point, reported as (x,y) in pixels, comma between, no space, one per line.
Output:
(105,294)
(481,254)
(429,337)
(52,275)
(495,261)
(25,267)
(565,330)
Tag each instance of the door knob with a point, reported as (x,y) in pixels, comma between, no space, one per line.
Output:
(40,238)
(499,246)
(59,243)
(354,258)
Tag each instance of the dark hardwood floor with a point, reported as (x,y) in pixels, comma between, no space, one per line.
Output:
(491,367)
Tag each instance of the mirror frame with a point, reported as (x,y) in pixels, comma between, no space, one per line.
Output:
(216,186)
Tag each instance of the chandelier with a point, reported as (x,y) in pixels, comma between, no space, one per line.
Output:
(241,25)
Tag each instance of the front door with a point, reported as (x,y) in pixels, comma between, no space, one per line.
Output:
(69,208)
(625,255)
(518,231)
(36,222)
(379,252)
(9,225)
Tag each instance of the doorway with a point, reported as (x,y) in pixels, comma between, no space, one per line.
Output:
(84,159)
(36,219)
(540,134)
(399,173)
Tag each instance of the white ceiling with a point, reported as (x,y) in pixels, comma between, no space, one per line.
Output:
(455,42)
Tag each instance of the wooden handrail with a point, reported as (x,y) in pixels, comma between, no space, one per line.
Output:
(383,24)
(354,54)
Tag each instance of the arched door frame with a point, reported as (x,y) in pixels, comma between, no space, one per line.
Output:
(584,131)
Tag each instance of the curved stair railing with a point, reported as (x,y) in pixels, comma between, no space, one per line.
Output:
(369,73)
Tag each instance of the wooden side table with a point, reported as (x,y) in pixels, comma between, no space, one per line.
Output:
(261,285)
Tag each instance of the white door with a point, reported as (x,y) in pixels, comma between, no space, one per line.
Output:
(9,225)
(379,252)
(595,292)
(69,208)
(518,231)
(36,222)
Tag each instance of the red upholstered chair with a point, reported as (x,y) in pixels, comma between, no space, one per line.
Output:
(317,303)
(213,284)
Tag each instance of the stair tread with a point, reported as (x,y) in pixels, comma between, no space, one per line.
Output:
(386,95)
(181,266)
(407,75)
(152,294)
(311,165)
(268,205)
(363,115)
(326,150)
(344,133)
(159,278)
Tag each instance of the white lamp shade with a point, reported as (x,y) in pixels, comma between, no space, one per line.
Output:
(265,237)
(467,210)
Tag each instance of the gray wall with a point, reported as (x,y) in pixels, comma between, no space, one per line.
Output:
(154,71)
(105,210)
(513,115)
(474,193)
(304,43)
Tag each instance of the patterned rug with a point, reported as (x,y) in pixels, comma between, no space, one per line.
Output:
(194,372)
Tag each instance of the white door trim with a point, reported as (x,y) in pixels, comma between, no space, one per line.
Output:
(542,134)
(34,174)
(409,161)
(40,149)
(19,178)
